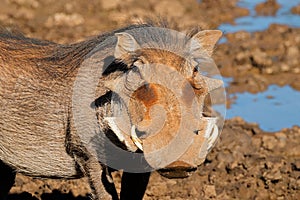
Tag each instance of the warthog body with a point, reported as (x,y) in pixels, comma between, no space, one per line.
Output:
(38,132)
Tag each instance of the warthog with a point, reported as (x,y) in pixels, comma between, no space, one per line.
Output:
(46,109)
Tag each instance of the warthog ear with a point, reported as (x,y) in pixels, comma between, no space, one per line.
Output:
(125,44)
(205,40)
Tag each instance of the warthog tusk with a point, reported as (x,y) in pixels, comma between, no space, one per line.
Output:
(137,141)
(113,126)
(211,132)
(214,135)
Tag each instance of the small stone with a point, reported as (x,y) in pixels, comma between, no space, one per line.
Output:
(281,138)
(193,191)
(296,165)
(269,70)
(273,176)
(24,13)
(296,10)
(269,142)
(69,7)
(3,17)
(110,4)
(170,8)
(269,7)
(27,3)
(261,58)
(210,191)
(293,51)
(63,19)
(296,70)
(285,68)
(241,57)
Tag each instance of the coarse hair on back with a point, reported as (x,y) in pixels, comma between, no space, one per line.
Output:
(13,42)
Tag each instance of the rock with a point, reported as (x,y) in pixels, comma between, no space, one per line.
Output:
(296,71)
(272,176)
(209,191)
(269,7)
(260,58)
(3,17)
(242,57)
(269,142)
(285,68)
(26,3)
(169,8)
(281,139)
(296,10)
(269,70)
(24,13)
(116,16)
(63,19)
(296,165)
(293,52)
(110,4)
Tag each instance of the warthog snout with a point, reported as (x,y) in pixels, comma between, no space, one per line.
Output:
(163,98)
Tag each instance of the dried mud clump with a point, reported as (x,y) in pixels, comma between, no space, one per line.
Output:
(246,164)
(256,60)
(296,10)
(270,7)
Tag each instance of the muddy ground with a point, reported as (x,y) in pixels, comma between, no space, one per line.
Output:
(246,163)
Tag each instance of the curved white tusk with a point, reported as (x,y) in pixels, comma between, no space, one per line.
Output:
(113,126)
(137,141)
(214,135)
(211,121)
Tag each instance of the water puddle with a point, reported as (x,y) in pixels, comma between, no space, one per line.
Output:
(278,107)
(274,109)
(254,22)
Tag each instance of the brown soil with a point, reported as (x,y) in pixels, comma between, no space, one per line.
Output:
(269,7)
(246,163)
(296,10)
(262,58)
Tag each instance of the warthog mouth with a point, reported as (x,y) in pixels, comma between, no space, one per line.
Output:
(177,169)
(177,172)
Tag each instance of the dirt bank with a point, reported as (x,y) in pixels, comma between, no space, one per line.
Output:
(246,164)
(70,21)
(256,60)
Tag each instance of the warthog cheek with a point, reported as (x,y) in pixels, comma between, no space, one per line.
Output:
(148,96)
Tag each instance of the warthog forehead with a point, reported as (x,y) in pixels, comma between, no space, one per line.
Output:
(163,57)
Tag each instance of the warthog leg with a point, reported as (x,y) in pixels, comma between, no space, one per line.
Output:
(134,185)
(102,188)
(7,179)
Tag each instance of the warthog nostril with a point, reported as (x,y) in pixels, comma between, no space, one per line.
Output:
(198,132)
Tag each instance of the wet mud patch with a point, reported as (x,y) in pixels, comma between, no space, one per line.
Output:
(261,58)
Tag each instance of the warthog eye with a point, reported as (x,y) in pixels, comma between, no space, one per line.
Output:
(138,63)
(195,70)
(115,66)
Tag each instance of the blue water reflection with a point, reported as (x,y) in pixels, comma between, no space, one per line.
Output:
(274,109)
(254,23)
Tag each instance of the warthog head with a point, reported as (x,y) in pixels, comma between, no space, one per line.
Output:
(158,102)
